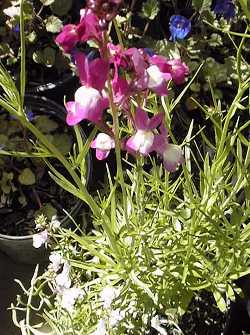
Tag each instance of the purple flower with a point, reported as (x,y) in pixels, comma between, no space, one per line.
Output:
(179,27)
(171,153)
(103,143)
(225,8)
(142,141)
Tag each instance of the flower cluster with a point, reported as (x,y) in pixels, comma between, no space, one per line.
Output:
(111,77)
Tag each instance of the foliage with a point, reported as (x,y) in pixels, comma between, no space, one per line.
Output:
(43,19)
(153,239)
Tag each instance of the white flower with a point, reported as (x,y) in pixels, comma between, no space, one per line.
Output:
(101,328)
(56,261)
(40,238)
(115,317)
(157,323)
(12,11)
(63,280)
(107,295)
(69,296)
(55,223)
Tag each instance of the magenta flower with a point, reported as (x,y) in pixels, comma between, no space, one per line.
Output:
(103,143)
(171,153)
(90,100)
(68,38)
(174,67)
(89,104)
(89,26)
(157,80)
(178,71)
(87,29)
(143,140)
(92,73)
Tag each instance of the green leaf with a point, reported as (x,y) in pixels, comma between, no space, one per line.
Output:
(150,9)
(62,142)
(202,5)
(61,7)
(53,24)
(220,301)
(27,177)
(47,2)
(49,55)
(45,124)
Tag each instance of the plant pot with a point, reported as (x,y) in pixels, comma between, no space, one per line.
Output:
(238,318)
(56,90)
(20,248)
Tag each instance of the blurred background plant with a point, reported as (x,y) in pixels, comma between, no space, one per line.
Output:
(43,20)
(137,267)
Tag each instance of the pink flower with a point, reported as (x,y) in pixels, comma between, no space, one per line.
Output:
(89,104)
(178,71)
(103,143)
(157,81)
(89,27)
(171,153)
(174,67)
(143,139)
(68,37)
(92,73)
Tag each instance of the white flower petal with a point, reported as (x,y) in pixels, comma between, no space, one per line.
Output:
(40,238)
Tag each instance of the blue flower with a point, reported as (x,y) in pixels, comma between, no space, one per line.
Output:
(179,27)
(225,8)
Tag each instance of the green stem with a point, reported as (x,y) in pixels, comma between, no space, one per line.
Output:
(118,33)
(23,58)
(230,113)
(117,141)
(238,58)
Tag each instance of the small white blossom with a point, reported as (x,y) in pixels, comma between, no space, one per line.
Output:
(101,328)
(69,297)
(157,323)
(12,11)
(115,317)
(40,238)
(56,261)
(107,295)
(63,280)
(55,223)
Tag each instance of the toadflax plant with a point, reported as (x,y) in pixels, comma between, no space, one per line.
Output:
(155,238)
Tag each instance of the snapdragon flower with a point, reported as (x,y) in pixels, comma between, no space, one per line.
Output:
(107,295)
(142,141)
(174,67)
(171,153)
(56,261)
(90,100)
(69,297)
(101,328)
(103,143)
(40,238)
(88,28)
(63,279)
